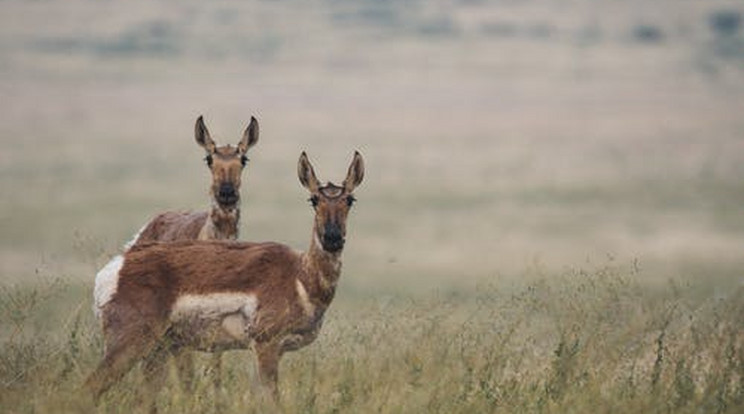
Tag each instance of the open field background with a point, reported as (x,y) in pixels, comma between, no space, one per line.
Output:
(552,215)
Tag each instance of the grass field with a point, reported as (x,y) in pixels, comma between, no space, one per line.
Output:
(551,218)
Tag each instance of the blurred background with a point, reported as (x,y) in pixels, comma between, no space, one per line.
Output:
(498,136)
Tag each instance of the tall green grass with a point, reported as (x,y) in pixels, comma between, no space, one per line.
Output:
(587,340)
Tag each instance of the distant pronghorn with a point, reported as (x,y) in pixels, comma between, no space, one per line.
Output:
(211,295)
(226,164)
(220,223)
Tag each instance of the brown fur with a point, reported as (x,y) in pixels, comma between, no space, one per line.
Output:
(136,321)
(154,275)
(171,226)
(226,164)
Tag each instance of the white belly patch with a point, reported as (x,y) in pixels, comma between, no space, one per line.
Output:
(216,316)
(106,281)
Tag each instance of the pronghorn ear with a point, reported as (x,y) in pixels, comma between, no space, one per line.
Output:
(202,136)
(306,174)
(250,136)
(355,174)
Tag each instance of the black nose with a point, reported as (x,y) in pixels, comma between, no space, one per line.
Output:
(227,193)
(333,240)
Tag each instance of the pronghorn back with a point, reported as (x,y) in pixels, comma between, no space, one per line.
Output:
(229,265)
(171,226)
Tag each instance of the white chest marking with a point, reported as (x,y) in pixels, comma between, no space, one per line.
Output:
(316,239)
(106,281)
(214,306)
(305,303)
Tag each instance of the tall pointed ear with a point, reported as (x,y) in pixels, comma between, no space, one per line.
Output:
(306,174)
(202,136)
(355,174)
(250,136)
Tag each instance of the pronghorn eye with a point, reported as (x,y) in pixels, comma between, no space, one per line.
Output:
(350,200)
(313,200)
(243,160)
(208,159)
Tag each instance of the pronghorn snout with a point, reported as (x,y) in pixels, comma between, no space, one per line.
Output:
(227,194)
(333,238)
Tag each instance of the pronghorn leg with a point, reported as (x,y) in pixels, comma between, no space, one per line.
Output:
(154,368)
(216,364)
(120,356)
(215,372)
(268,354)
(185,367)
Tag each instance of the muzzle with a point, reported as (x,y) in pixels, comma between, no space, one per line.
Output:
(333,240)
(227,194)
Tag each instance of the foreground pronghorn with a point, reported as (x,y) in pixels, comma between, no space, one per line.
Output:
(226,164)
(211,295)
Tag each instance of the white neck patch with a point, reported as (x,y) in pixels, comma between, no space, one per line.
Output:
(305,303)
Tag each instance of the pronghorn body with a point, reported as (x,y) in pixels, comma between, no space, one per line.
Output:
(259,292)
(211,295)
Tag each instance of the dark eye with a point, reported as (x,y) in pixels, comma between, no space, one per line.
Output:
(243,160)
(313,200)
(350,200)
(208,159)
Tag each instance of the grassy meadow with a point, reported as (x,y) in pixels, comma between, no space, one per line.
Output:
(552,216)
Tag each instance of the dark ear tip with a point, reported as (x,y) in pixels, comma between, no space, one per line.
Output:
(200,118)
(253,119)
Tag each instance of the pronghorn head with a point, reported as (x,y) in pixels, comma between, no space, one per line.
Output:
(331,202)
(226,162)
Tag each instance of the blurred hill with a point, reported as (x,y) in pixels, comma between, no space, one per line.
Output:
(496,135)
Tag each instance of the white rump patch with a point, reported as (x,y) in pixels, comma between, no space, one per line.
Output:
(106,281)
(128,245)
(214,306)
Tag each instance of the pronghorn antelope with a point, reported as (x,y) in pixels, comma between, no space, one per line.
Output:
(212,295)
(221,222)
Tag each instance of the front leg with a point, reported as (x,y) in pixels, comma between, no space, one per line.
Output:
(268,354)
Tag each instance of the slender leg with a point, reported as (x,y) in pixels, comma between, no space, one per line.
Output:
(215,364)
(119,358)
(128,337)
(268,354)
(154,367)
(185,367)
(217,371)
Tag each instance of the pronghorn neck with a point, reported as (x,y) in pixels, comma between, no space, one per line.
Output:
(222,223)
(323,267)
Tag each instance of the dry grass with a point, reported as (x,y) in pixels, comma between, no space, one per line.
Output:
(586,340)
